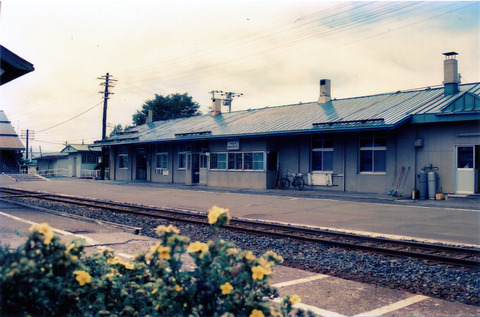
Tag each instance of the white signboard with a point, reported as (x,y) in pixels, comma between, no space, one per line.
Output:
(233,144)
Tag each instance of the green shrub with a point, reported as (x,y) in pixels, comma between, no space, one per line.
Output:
(44,277)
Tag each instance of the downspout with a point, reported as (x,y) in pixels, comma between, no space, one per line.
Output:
(344,165)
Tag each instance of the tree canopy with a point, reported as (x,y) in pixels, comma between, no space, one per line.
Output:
(168,107)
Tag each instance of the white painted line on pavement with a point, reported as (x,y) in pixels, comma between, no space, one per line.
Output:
(314,309)
(395,306)
(88,240)
(301,280)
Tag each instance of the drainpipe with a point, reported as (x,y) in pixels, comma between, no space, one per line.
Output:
(344,165)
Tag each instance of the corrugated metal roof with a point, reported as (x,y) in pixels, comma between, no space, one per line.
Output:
(382,111)
(9,140)
(77,148)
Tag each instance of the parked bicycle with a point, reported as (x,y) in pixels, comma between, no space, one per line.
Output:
(297,181)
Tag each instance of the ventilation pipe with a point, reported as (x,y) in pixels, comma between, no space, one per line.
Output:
(216,106)
(325,95)
(451,77)
(149,116)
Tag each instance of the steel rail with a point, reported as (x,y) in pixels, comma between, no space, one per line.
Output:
(468,257)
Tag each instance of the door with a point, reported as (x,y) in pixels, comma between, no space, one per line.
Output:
(188,169)
(192,169)
(203,169)
(141,170)
(74,166)
(195,168)
(466,172)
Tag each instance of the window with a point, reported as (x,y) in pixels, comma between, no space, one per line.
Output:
(89,158)
(373,152)
(203,161)
(465,157)
(322,152)
(218,161)
(162,161)
(237,161)
(182,160)
(123,161)
(258,161)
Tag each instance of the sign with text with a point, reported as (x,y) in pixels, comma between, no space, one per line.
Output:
(233,144)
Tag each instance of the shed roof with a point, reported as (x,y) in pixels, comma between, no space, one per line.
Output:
(9,140)
(13,66)
(381,111)
(73,148)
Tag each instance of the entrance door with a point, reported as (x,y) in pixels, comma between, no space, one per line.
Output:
(74,167)
(195,168)
(141,170)
(466,173)
(192,170)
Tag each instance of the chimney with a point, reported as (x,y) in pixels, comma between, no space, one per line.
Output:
(149,116)
(216,107)
(451,77)
(325,95)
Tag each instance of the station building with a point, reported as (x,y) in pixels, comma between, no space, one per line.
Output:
(12,66)
(361,144)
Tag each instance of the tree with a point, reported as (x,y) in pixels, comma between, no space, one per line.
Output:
(117,129)
(165,108)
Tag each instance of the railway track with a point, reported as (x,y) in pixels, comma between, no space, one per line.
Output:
(461,256)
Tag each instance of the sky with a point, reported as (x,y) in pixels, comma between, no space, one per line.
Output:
(272,52)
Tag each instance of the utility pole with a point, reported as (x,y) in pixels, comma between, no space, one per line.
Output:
(109,82)
(28,136)
(227,97)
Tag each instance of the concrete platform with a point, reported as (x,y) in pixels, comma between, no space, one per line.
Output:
(322,294)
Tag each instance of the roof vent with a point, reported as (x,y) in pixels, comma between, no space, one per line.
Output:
(325,95)
(451,77)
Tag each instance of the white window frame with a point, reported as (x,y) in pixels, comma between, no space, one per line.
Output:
(374,148)
(159,160)
(255,161)
(123,158)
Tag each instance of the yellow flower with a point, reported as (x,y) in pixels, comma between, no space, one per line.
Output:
(226,288)
(164,229)
(257,313)
(294,299)
(258,272)
(45,230)
(82,277)
(266,265)
(250,256)
(70,247)
(231,251)
(197,246)
(215,212)
(128,265)
(114,260)
(164,252)
(178,288)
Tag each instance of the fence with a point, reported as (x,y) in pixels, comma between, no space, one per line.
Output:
(51,173)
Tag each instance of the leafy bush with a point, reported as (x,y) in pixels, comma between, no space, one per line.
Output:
(44,277)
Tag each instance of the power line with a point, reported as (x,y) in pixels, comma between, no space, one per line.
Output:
(72,118)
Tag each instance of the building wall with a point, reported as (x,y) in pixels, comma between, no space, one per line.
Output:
(439,148)
(410,147)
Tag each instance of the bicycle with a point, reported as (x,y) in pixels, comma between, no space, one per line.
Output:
(297,181)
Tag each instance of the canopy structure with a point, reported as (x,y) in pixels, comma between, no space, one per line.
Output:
(12,66)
